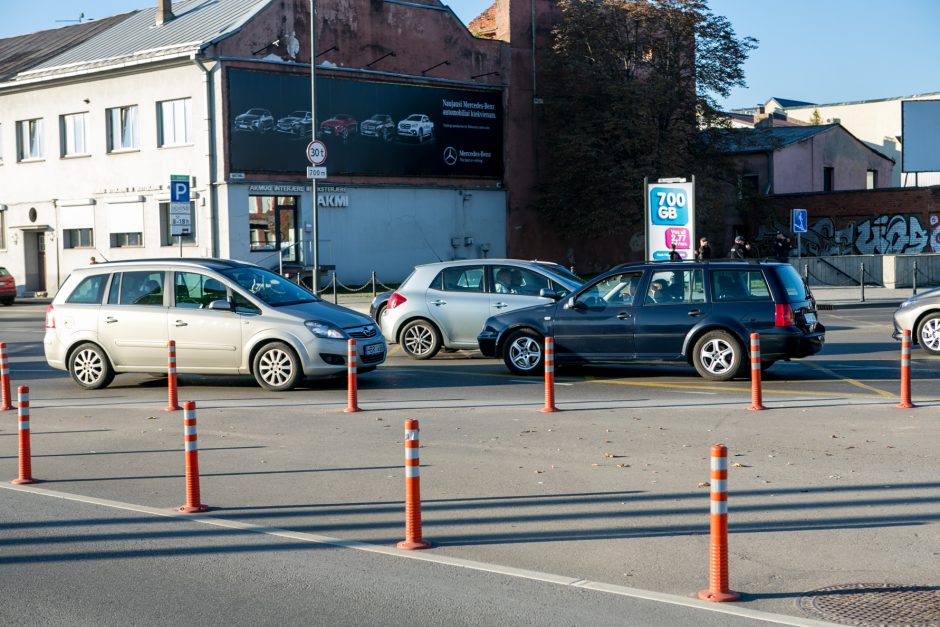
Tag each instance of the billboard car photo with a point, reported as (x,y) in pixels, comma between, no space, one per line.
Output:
(254,120)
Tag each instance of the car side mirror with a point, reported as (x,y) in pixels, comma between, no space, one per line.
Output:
(220,305)
(549,293)
(573,303)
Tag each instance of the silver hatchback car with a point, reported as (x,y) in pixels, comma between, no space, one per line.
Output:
(444,304)
(226,317)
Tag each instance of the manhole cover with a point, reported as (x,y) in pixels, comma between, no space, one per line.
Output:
(881,604)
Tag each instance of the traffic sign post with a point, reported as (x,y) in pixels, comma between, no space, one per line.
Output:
(180,214)
(799,224)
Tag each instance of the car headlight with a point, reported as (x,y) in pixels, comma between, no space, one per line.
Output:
(906,303)
(325,330)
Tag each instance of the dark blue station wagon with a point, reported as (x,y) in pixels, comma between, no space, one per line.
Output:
(695,313)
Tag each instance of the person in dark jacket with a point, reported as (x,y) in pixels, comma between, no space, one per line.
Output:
(704,252)
(674,254)
(739,250)
(782,247)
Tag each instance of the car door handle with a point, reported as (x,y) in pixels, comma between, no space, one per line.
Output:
(109,319)
(624,315)
(695,312)
(438,302)
(500,305)
(180,323)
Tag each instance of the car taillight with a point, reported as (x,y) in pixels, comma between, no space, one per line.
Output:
(395,300)
(783,316)
(50,317)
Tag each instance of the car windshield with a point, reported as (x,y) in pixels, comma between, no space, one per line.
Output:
(414,118)
(256,112)
(269,287)
(379,118)
(559,270)
(298,114)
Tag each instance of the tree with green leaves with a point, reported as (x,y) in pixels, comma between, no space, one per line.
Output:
(815,119)
(627,88)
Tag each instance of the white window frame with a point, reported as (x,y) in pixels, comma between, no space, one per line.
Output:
(123,128)
(29,140)
(175,122)
(73,131)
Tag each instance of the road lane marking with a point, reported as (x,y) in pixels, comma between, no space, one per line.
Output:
(850,380)
(443,560)
(747,391)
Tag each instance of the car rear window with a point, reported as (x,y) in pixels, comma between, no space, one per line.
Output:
(3,272)
(89,291)
(738,285)
(792,282)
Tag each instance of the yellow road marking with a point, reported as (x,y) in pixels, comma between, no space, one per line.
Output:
(849,380)
(861,322)
(685,386)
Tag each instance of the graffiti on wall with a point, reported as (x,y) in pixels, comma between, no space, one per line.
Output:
(880,235)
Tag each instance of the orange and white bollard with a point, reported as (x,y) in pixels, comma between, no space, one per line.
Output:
(757,403)
(6,403)
(413,539)
(352,392)
(191,445)
(26,465)
(549,376)
(172,402)
(718,550)
(905,371)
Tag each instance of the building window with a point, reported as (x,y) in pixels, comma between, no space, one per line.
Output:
(78,238)
(271,223)
(121,240)
(72,130)
(166,228)
(29,139)
(174,118)
(871,179)
(122,128)
(827,178)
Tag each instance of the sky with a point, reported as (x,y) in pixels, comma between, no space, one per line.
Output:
(822,51)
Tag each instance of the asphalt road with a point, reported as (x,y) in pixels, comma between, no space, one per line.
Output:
(597,514)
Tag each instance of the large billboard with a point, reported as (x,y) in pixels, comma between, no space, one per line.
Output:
(370,128)
(920,136)
(670,219)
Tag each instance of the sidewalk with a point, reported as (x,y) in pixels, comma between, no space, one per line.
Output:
(837,297)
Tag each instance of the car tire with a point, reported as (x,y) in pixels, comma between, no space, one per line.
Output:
(524,353)
(7,302)
(928,334)
(345,133)
(276,367)
(420,339)
(379,312)
(420,136)
(718,356)
(90,367)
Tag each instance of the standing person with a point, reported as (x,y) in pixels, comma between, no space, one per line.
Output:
(704,252)
(674,254)
(782,247)
(738,251)
(92,260)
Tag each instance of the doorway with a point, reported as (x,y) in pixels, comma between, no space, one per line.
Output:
(34,251)
(273,224)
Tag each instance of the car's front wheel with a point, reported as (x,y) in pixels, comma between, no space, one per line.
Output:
(718,356)
(523,353)
(928,334)
(277,368)
(420,339)
(90,367)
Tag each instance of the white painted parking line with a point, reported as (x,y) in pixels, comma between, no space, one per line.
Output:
(432,557)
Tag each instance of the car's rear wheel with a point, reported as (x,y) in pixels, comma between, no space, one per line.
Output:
(90,367)
(928,334)
(718,356)
(420,339)
(345,133)
(523,353)
(276,367)
(379,312)
(8,301)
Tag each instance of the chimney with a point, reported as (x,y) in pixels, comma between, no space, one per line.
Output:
(164,12)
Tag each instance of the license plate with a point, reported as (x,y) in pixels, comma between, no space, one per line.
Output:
(810,319)
(374,349)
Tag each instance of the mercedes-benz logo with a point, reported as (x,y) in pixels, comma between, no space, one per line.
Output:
(450,155)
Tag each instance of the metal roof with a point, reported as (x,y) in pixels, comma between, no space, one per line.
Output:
(749,140)
(197,23)
(786,102)
(23,52)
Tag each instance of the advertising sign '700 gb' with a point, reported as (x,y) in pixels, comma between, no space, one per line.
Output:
(670,219)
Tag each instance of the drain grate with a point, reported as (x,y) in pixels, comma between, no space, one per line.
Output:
(871,604)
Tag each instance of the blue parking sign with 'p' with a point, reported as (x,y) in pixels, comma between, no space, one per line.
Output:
(798,221)
(179,188)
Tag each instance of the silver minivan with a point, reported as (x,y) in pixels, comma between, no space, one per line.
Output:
(226,317)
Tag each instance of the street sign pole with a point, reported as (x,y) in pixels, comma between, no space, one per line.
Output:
(315,280)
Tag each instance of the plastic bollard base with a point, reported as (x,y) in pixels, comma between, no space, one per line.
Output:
(413,546)
(719,597)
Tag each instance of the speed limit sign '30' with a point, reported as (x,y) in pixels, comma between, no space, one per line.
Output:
(316,152)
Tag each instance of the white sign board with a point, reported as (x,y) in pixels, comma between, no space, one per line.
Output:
(670,219)
(316,172)
(920,132)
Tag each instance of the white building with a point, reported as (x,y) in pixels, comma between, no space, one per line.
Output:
(90,136)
